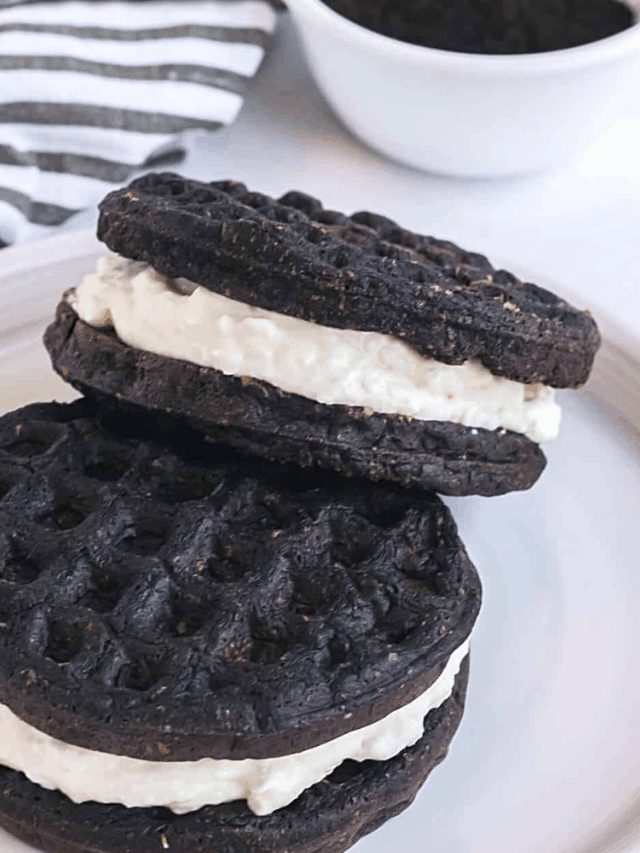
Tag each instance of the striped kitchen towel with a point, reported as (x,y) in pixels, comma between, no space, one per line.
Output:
(93,91)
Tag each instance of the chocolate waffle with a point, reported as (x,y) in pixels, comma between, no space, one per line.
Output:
(170,609)
(363,272)
(231,609)
(307,337)
(353,801)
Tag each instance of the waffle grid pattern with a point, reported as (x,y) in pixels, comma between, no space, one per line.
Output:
(207,598)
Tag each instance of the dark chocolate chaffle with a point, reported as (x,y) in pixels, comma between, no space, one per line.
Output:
(449,388)
(167,607)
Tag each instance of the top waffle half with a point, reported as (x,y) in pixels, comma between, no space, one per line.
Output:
(362,272)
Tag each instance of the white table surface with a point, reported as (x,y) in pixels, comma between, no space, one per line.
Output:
(578,226)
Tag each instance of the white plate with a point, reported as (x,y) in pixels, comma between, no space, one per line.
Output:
(548,755)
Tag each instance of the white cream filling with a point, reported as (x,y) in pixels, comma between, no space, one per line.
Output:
(183,786)
(378,372)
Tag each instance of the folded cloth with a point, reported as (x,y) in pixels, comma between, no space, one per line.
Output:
(93,91)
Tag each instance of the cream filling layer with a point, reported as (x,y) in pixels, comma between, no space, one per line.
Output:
(183,786)
(177,319)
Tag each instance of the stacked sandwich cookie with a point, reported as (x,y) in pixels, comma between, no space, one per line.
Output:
(305,336)
(223,654)
(217,631)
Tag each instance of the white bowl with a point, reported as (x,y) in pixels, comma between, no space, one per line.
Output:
(468,115)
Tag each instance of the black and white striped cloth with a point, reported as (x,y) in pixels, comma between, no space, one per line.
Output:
(93,91)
